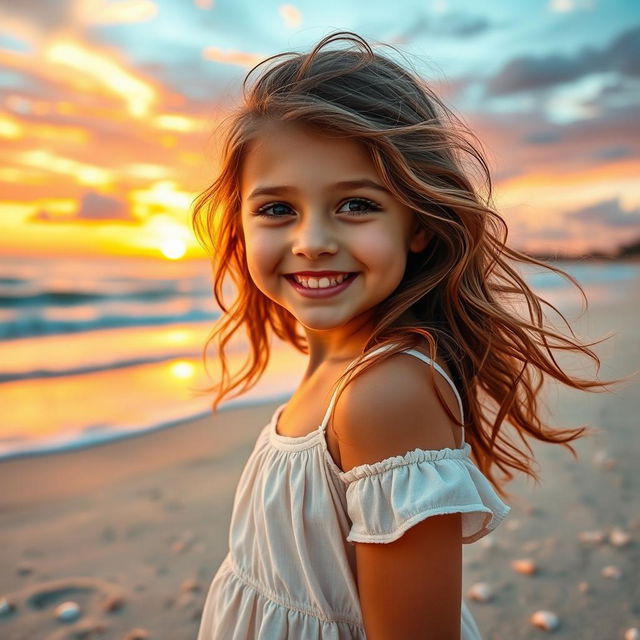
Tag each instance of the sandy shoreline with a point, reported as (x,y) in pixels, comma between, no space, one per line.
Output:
(145,515)
(140,525)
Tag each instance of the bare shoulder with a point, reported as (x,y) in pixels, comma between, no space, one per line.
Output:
(392,408)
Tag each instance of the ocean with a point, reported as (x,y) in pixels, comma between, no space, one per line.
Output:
(93,349)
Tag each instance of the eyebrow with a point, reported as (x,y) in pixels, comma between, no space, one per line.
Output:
(345,184)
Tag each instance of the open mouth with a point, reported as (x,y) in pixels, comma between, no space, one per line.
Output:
(349,276)
(324,287)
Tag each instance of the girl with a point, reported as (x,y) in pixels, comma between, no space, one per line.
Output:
(346,217)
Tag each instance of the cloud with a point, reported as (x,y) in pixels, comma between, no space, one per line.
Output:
(463,25)
(237,57)
(606,213)
(452,24)
(565,6)
(39,14)
(614,152)
(527,73)
(290,15)
(100,12)
(543,137)
(94,207)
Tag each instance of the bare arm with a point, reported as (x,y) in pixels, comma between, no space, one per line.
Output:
(411,587)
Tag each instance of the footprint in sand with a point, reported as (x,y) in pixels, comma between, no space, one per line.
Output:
(95,597)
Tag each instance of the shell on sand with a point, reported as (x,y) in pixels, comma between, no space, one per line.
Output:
(618,537)
(67,611)
(190,584)
(480,592)
(546,620)
(184,542)
(526,566)
(611,571)
(6,606)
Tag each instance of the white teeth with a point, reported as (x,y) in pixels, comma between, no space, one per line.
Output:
(319,283)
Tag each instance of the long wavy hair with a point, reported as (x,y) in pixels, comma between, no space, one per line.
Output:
(462,288)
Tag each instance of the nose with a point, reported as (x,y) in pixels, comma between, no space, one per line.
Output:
(313,237)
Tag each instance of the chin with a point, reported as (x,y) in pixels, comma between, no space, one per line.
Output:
(321,324)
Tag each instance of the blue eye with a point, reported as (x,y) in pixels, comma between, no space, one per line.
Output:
(369,206)
(262,210)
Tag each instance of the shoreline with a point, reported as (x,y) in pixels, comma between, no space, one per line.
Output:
(137,454)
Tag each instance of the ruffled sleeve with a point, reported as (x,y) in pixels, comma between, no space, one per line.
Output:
(386,498)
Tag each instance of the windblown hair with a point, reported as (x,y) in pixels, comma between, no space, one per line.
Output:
(462,288)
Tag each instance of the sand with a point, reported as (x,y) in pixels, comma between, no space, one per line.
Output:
(133,531)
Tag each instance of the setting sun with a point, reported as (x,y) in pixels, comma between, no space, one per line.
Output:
(173,248)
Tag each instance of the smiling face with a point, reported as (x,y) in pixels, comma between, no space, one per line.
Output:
(297,217)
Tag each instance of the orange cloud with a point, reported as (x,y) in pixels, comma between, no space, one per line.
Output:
(98,70)
(549,191)
(291,15)
(104,12)
(177,122)
(241,58)
(82,172)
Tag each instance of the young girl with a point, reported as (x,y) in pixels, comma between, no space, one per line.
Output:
(345,214)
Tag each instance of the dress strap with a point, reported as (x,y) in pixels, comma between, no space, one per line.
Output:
(443,373)
(412,352)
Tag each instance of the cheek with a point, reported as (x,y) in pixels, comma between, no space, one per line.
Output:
(262,255)
(381,250)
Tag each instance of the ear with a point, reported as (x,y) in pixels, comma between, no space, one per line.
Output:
(419,239)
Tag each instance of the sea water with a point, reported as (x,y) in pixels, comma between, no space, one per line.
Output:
(93,349)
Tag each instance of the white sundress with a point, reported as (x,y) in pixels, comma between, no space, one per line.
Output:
(290,569)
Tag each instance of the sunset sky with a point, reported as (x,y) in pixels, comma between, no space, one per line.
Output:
(107,109)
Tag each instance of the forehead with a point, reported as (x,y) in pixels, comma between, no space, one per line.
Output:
(295,154)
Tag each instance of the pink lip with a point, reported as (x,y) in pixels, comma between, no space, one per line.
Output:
(321,293)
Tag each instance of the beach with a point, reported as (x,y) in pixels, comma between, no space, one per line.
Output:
(133,530)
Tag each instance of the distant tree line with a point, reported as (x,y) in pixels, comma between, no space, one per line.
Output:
(630,250)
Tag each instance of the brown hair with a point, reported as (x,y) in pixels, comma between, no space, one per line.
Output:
(461,288)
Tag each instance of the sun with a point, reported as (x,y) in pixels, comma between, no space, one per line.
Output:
(173,248)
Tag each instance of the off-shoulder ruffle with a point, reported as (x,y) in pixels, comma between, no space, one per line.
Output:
(417,455)
(388,497)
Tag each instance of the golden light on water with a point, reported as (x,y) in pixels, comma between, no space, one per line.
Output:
(182,370)
(10,128)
